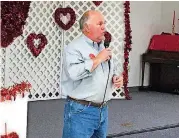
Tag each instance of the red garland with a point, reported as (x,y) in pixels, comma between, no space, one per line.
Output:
(97,3)
(30,43)
(8,93)
(13,17)
(65,11)
(127,47)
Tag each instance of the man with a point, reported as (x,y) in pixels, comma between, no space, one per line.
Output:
(84,80)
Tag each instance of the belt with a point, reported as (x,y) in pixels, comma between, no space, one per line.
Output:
(88,103)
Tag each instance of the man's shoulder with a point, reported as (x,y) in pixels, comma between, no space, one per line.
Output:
(76,43)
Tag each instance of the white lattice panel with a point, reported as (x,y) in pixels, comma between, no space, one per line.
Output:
(43,72)
(113,12)
(2,65)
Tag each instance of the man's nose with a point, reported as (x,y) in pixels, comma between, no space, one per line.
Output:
(103,27)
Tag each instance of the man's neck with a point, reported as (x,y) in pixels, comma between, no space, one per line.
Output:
(90,37)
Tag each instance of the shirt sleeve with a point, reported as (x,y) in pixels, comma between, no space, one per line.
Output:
(76,66)
(116,70)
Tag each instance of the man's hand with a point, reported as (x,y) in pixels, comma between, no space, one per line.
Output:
(103,56)
(117,81)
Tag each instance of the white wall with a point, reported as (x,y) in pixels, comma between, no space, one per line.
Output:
(168,8)
(145,22)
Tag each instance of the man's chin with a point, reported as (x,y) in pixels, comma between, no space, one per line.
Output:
(101,39)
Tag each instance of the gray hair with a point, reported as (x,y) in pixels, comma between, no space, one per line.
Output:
(83,20)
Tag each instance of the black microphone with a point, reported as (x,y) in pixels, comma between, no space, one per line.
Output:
(106,45)
(107,41)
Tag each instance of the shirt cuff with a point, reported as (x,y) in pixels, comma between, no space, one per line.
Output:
(88,64)
(117,73)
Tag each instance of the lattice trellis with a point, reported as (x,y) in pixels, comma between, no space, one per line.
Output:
(2,63)
(43,72)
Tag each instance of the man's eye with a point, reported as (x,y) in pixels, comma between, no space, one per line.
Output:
(101,23)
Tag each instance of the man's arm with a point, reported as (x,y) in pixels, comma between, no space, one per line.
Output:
(79,68)
(117,77)
(76,66)
(103,56)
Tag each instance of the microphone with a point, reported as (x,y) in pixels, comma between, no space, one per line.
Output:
(106,44)
(107,41)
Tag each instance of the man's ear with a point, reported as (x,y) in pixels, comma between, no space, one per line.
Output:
(86,27)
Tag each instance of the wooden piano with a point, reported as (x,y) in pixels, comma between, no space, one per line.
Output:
(163,57)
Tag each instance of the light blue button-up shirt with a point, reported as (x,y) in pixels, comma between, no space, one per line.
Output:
(77,80)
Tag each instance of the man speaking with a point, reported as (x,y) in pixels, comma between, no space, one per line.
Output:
(87,80)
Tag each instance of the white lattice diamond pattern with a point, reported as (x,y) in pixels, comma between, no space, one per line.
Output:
(113,12)
(43,72)
(2,64)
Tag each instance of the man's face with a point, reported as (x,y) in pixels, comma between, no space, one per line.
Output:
(96,24)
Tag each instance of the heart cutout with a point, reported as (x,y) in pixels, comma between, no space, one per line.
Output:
(65,19)
(13,17)
(64,12)
(97,3)
(36,49)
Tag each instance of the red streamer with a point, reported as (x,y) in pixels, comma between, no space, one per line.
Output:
(127,47)
(8,93)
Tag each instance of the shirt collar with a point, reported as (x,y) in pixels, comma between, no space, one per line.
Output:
(89,41)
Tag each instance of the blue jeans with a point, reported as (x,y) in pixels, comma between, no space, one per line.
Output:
(84,121)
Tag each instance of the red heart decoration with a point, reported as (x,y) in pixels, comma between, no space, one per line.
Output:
(13,17)
(65,11)
(97,3)
(30,43)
